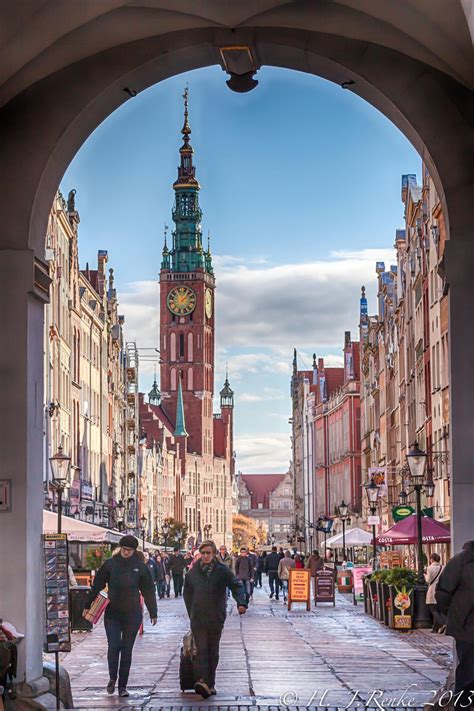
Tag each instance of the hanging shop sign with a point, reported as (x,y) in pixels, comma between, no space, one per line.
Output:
(401,512)
(324,588)
(57,634)
(299,588)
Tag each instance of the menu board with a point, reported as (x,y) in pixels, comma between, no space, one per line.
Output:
(324,588)
(358,584)
(57,633)
(299,587)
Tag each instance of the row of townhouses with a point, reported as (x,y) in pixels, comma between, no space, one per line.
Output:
(392,390)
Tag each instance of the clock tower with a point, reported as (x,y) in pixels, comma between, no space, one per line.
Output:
(187,288)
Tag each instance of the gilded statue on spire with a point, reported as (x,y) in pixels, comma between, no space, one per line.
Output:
(186,130)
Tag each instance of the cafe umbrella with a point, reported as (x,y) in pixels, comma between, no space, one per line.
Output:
(405,532)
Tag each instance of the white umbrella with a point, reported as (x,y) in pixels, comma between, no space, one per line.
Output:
(354,537)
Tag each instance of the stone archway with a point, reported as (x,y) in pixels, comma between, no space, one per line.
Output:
(49,110)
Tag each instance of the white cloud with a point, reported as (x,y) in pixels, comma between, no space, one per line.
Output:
(263,453)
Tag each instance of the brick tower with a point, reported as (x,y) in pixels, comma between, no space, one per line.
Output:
(187,288)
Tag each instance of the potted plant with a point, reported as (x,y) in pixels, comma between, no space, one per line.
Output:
(382,593)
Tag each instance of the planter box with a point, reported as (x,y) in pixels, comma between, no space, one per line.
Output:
(373,598)
(367,600)
(380,602)
(386,603)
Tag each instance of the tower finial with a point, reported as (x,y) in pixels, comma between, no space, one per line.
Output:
(209,242)
(165,246)
(186,130)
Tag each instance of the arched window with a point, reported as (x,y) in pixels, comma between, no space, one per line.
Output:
(190,347)
(173,346)
(164,341)
(190,379)
(173,378)
(181,345)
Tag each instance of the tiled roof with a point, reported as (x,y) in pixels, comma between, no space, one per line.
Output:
(261,486)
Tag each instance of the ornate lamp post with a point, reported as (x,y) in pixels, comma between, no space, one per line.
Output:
(119,512)
(143,522)
(60,469)
(343,509)
(372,491)
(416,460)
(165,529)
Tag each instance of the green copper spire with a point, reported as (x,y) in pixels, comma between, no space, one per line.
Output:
(165,264)
(180,429)
(154,396)
(186,254)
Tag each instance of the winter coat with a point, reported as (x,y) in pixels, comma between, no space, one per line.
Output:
(432,579)
(260,564)
(205,596)
(177,564)
(455,594)
(271,562)
(315,563)
(284,568)
(126,578)
(227,561)
(152,566)
(244,567)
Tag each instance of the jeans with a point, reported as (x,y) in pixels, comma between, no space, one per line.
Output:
(207,638)
(247,585)
(284,587)
(161,588)
(438,618)
(258,579)
(465,668)
(274,582)
(121,629)
(177,584)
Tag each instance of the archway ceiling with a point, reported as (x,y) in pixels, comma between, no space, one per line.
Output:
(38,38)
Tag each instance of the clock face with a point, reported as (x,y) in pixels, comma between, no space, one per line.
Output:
(181,300)
(208,303)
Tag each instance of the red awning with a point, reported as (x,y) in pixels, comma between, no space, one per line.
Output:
(405,532)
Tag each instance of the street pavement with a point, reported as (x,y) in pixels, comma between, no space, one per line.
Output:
(329,657)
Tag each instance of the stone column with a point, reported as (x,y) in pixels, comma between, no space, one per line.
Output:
(25,283)
(460,276)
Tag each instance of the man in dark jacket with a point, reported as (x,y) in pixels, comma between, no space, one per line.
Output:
(455,598)
(126,577)
(177,567)
(272,562)
(244,571)
(206,602)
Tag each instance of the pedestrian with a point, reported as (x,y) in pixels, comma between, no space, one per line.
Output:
(177,568)
(152,567)
(281,553)
(271,568)
(299,561)
(455,597)
(315,563)
(188,559)
(244,571)
(226,559)
(284,567)
(254,560)
(206,603)
(126,576)
(166,565)
(433,573)
(160,575)
(259,570)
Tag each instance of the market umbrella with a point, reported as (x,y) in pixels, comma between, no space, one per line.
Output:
(353,537)
(405,532)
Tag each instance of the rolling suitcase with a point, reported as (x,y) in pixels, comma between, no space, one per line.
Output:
(186,671)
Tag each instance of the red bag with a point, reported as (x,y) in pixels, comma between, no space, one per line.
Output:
(97,608)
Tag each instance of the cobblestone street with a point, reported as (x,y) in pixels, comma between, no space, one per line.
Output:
(272,657)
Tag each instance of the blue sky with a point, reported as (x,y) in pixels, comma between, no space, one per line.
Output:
(300,190)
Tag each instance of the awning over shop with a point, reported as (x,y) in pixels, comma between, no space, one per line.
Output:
(405,532)
(353,537)
(79,531)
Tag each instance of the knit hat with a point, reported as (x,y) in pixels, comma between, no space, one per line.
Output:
(128,542)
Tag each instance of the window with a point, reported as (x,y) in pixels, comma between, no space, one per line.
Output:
(190,379)
(173,346)
(190,346)
(181,345)
(173,378)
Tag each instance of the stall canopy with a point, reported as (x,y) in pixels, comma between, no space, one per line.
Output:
(353,537)
(405,532)
(79,531)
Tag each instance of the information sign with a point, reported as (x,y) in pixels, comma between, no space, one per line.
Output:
(358,586)
(57,634)
(299,588)
(324,588)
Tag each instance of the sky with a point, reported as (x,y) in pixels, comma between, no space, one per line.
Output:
(300,193)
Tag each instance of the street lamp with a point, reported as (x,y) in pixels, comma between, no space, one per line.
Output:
(416,460)
(165,529)
(344,516)
(143,522)
(119,512)
(372,491)
(60,468)
(207,531)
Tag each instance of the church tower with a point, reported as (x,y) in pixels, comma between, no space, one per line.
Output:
(187,288)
